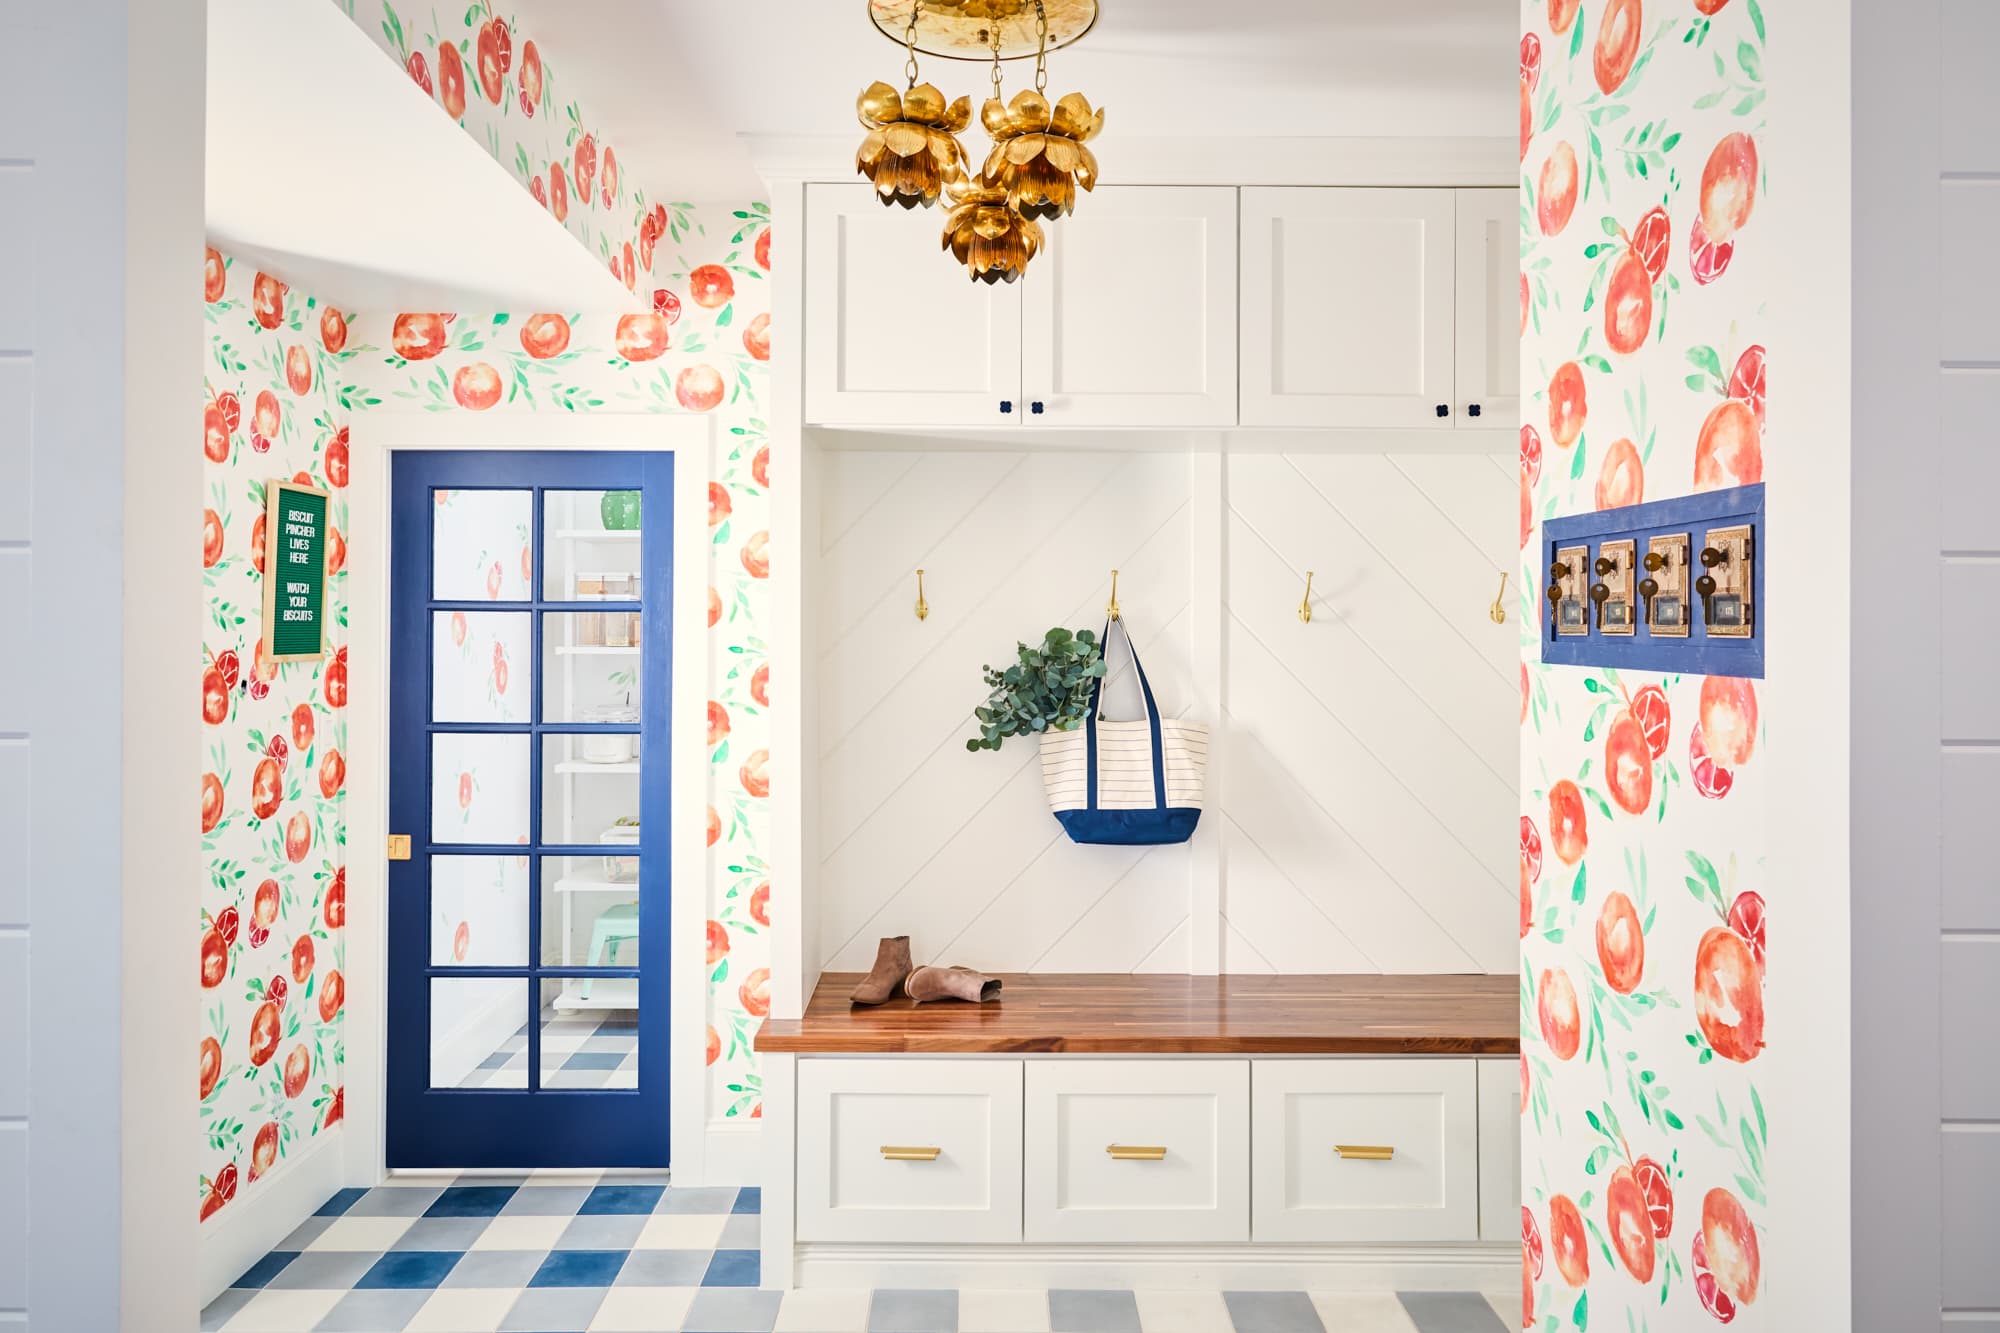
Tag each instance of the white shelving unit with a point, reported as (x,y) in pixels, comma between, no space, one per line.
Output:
(585,809)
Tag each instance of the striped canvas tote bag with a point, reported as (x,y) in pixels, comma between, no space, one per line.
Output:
(1135,783)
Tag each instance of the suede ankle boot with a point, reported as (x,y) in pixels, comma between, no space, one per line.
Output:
(952,983)
(892,968)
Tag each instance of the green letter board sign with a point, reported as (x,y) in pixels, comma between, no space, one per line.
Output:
(294,572)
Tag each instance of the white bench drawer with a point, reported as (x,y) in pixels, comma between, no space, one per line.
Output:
(853,1187)
(1425,1112)
(1090,1176)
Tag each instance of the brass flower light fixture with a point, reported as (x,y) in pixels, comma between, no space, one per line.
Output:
(985,233)
(1039,159)
(1039,156)
(912,154)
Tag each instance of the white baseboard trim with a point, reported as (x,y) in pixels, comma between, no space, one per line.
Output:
(1339,1268)
(252,1224)
(733,1154)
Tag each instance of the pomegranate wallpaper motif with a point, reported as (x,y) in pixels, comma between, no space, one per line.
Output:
(1645,272)
(273,832)
(701,348)
(480,69)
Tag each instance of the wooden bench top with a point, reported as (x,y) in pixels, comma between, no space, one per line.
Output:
(1107,1013)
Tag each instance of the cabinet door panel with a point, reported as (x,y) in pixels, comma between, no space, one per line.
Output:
(1489,309)
(1347,307)
(1129,315)
(1136,1150)
(909,1150)
(1420,1115)
(896,332)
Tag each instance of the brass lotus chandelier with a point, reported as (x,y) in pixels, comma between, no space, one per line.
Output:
(1040,156)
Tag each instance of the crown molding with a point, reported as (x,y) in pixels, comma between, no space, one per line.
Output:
(1472,161)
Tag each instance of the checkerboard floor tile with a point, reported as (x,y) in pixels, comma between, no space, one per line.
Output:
(591,1048)
(577,1252)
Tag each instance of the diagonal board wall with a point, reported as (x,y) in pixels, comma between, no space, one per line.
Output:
(1360,783)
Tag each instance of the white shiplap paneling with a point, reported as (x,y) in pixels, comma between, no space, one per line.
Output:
(1368,809)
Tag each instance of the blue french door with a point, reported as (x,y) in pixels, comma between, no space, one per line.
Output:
(530,651)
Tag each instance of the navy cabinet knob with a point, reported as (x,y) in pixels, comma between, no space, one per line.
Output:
(1006,404)
(1444,410)
(1473,410)
(1035,407)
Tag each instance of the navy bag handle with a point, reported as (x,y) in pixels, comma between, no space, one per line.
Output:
(1152,719)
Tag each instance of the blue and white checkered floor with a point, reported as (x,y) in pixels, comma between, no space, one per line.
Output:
(569,1252)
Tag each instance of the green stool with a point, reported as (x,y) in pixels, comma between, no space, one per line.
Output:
(613,926)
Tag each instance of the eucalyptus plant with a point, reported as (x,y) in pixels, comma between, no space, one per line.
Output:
(1048,689)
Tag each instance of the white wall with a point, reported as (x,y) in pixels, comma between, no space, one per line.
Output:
(100,339)
(1815,341)
(1366,822)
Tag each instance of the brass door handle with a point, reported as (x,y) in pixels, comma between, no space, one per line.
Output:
(1121,1152)
(1362,1152)
(894,1154)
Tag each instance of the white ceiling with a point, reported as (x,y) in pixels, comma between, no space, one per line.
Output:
(383,205)
(674,82)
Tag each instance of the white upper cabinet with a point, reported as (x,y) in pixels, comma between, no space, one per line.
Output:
(896,333)
(1177,307)
(1128,317)
(1348,300)
(1489,308)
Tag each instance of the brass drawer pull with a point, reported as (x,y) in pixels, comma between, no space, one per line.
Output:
(894,1154)
(1121,1152)
(1362,1152)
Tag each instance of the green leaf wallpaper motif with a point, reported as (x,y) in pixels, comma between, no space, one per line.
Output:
(1644,278)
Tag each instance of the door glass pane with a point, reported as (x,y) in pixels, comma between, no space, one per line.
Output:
(482,666)
(589,784)
(590,911)
(591,545)
(479,911)
(479,1035)
(479,788)
(590,1032)
(591,669)
(480,549)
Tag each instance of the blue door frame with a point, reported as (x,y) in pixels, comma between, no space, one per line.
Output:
(531,1127)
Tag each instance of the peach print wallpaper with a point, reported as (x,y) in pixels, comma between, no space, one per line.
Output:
(475,63)
(1643,934)
(701,347)
(273,832)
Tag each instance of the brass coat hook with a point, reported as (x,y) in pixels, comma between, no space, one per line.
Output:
(1498,611)
(1306,606)
(923,607)
(1112,610)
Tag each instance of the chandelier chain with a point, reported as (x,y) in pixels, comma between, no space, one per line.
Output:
(996,61)
(1041,48)
(910,45)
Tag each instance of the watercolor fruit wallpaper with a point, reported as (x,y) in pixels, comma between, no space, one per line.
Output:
(270,937)
(477,65)
(284,372)
(701,348)
(1643,915)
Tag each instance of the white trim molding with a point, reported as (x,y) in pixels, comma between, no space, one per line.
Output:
(239,1236)
(1243,1267)
(695,1150)
(1181,160)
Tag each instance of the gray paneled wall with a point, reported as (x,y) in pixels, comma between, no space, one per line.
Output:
(1969,643)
